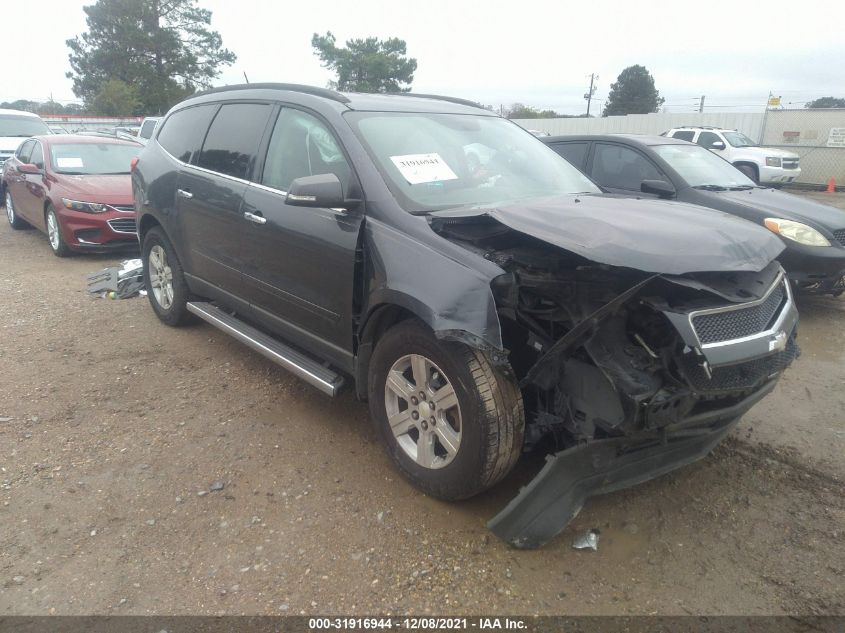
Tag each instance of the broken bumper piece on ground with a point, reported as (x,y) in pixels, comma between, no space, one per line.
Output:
(551,500)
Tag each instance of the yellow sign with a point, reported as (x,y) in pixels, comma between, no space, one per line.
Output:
(774,101)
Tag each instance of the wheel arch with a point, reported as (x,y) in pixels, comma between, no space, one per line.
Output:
(747,163)
(399,307)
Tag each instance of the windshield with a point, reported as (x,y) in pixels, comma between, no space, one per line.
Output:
(92,158)
(22,126)
(437,161)
(700,167)
(738,139)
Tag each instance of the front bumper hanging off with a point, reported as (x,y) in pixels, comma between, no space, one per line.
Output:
(551,500)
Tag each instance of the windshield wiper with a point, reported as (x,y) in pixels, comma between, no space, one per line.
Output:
(742,187)
(711,187)
(113,173)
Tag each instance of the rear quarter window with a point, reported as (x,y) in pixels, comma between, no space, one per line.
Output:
(684,135)
(183,132)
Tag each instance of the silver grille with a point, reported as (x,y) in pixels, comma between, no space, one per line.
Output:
(733,323)
(789,163)
(123,225)
(123,208)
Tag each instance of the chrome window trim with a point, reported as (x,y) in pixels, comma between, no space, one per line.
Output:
(777,326)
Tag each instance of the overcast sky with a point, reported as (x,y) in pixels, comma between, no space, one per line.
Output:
(540,53)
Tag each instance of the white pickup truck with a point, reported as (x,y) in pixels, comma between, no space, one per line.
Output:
(764,165)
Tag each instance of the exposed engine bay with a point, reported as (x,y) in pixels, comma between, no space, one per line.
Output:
(603,351)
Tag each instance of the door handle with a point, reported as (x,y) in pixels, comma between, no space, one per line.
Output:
(184,194)
(255,217)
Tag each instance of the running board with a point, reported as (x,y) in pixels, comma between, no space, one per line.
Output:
(310,370)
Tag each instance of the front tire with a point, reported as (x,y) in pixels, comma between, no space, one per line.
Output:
(750,172)
(164,279)
(452,422)
(54,233)
(15,220)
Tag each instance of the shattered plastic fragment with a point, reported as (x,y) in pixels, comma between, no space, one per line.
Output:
(588,540)
(121,282)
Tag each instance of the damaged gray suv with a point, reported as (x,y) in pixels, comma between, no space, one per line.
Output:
(473,286)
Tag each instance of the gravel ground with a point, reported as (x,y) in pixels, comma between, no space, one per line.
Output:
(114,430)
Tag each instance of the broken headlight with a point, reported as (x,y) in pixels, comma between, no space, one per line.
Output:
(85,207)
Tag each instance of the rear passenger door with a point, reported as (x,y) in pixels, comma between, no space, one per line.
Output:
(210,189)
(621,169)
(299,262)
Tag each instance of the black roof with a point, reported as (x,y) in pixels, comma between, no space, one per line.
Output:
(399,102)
(631,139)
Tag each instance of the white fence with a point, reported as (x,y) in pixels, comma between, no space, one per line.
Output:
(805,132)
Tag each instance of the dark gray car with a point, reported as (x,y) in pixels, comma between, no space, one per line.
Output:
(478,290)
(662,167)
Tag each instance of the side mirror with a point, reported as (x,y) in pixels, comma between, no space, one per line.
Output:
(29,168)
(659,188)
(320,191)
(717,145)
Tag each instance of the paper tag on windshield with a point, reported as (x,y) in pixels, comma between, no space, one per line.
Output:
(420,168)
(69,162)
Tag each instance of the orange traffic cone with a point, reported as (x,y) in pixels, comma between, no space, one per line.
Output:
(831,186)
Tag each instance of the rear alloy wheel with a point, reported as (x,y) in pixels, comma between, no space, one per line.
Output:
(14,221)
(452,422)
(167,289)
(54,234)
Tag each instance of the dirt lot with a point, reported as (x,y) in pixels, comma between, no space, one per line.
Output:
(113,427)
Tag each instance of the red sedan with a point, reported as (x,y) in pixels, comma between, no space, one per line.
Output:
(77,189)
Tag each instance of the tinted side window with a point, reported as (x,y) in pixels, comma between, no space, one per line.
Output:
(302,146)
(706,139)
(622,168)
(233,138)
(37,156)
(684,135)
(184,131)
(575,153)
(24,151)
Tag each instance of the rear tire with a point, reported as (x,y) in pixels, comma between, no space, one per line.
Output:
(15,220)
(54,233)
(164,279)
(461,448)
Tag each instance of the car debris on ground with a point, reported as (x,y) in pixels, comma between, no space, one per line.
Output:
(118,282)
(587,540)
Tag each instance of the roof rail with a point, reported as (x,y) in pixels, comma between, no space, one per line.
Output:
(466,102)
(326,93)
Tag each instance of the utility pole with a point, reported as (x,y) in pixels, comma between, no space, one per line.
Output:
(701,104)
(591,92)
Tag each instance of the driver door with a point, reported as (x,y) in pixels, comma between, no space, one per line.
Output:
(298,262)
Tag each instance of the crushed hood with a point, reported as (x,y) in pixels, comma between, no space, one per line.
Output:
(653,236)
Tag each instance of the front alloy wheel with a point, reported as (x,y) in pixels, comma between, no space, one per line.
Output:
(423,411)
(451,420)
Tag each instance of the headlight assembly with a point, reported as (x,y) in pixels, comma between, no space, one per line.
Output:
(772,161)
(796,231)
(85,207)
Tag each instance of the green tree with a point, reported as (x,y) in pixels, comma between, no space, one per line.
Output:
(826,102)
(369,65)
(633,93)
(162,48)
(116,98)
